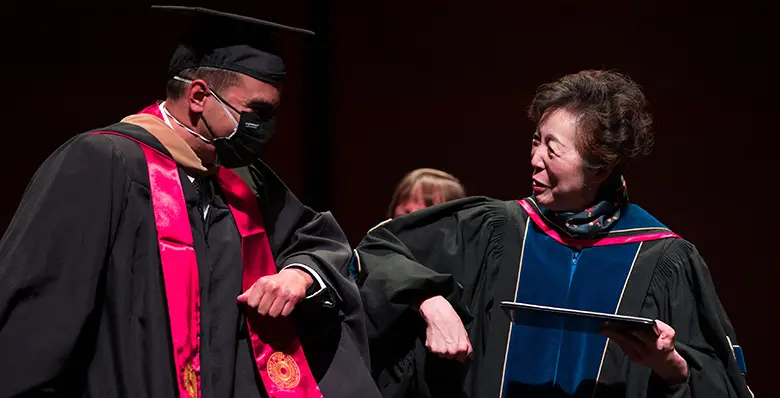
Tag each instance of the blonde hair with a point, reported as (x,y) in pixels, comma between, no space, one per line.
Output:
(435,184)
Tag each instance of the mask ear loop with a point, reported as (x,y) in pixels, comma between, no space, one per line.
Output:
(222,104)
(189,130)
(230,115)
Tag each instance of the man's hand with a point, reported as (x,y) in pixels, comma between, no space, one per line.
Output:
(277,295)
(445,336)
(657,351)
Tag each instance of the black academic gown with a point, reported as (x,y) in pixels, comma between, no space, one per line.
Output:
(478,252)
(82,297)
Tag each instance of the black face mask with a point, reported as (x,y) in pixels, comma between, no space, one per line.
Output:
(245,145)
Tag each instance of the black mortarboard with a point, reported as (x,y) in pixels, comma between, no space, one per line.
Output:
(231,42)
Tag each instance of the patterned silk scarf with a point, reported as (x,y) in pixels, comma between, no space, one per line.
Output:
(598,219)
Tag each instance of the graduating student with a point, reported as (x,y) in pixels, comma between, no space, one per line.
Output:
(159,257)
(432,281)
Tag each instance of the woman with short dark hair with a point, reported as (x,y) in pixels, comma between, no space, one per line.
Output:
(439,275)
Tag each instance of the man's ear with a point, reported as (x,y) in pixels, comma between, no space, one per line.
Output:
(196,95)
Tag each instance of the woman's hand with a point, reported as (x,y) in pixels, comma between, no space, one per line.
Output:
(656,351)
(445,336)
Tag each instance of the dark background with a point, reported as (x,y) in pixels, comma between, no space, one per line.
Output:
(385,88)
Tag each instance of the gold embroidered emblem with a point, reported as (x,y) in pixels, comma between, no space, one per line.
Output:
(283,370)
(190,380)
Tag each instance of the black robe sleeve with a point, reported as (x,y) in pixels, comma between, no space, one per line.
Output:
(298,234)
(683,293)
(441,250)
(52,259)
(331,325)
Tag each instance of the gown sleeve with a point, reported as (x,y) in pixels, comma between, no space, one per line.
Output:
(302,237)
(683,293)
(440,250)
(52,259)
(330,323)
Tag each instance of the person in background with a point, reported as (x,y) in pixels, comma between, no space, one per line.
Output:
(423,188)
(419,189)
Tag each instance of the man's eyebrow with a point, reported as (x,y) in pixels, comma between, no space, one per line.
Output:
(259,104)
